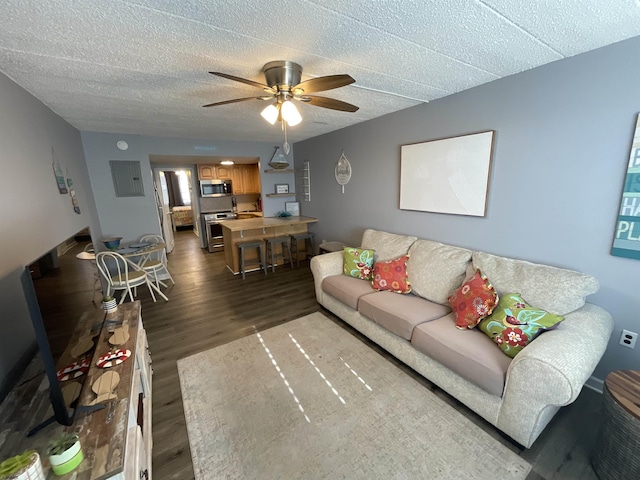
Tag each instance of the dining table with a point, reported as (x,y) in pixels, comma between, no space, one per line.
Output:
(137,253)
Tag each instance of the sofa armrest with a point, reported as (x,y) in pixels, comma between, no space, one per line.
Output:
(551,371)
(323,266)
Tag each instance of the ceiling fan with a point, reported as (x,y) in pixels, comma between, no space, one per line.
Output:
(283,85)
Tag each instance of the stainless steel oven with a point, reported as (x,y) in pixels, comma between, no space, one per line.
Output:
(213,229)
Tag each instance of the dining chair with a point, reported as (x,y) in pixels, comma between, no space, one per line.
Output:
(156,262)
(122,275)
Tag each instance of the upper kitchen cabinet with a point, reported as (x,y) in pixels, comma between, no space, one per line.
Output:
(206,172)
(224,172)
(246,179)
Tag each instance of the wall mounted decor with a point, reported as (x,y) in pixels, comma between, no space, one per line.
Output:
(57,171)
(282,187)
(293,208)
(450,175)
(626,242)
(343,171)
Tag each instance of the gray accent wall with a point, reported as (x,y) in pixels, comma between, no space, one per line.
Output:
(35,216)
(561,147)
(131,217)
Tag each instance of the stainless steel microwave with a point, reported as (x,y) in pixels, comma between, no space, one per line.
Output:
(215,188)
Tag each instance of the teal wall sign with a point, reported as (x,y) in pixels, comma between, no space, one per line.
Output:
(626,242)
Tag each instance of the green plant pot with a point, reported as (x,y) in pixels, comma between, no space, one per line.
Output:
(67,460)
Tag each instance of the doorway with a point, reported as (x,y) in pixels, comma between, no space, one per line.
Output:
(175,198)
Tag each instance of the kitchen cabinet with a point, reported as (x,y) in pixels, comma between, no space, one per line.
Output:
(206,172)
(244,178)
(224,172)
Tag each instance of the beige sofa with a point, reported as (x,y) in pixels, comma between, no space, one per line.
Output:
(520,395)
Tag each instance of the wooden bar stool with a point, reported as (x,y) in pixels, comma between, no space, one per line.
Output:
(252,244)
(271,253)
(296,238)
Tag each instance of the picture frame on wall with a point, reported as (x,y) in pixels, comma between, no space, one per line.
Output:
(450,175)
(282,188)
(293,208)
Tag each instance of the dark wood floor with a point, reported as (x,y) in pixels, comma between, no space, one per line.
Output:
(209,306)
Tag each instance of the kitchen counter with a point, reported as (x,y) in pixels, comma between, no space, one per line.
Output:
(259,228)
(236,225)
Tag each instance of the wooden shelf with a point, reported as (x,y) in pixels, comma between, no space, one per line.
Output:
(291,194)
(277,170)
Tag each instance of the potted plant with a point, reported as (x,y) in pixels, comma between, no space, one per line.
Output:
(65,453)
(109,304)
(22,467)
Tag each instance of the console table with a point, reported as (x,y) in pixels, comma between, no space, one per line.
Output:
(116,441)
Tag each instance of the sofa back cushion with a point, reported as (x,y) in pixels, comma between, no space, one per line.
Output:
(387,245)
(553,289)
(436,270)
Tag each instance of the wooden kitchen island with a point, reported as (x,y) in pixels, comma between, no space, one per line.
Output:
(236,231)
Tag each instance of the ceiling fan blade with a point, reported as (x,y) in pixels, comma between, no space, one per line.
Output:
(330,103)
(321,84)
(236,100)
(242,80)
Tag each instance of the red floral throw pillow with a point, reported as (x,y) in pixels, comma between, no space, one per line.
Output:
(473,301)
(391,275)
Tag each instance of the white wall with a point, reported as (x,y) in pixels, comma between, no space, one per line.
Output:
(563,134)
(35,216)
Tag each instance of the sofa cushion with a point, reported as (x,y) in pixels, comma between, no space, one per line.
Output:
(514,324)
(436,269)
(358,263)
(387,245)
(469,353)
(400,313)
(391,275)
(553,289)
(473,301)
(346,289)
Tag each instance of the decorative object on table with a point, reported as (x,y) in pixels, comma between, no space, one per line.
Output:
(112,358)
(119,336)
(626,241)
(283,214)
(72,194)
(104,387)
(343,171)
(282,187)
(65,453)
(112,243)
(450,175)
(26,466)
(57,172)
(71,392)
(109,304)
(74,370)
(83,345)
(293,208)
(278,160)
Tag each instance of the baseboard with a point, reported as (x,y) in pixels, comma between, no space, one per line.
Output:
(595,384)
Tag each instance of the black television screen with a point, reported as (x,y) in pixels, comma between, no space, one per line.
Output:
(59,288)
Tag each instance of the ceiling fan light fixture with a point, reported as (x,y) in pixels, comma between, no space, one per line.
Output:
(270,114)
(290,113)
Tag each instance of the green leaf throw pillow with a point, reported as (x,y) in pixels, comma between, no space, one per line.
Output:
(514,324)
(358,262)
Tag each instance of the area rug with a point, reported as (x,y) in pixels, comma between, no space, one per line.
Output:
(307,399)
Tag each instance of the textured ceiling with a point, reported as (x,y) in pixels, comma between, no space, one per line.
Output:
(141,66)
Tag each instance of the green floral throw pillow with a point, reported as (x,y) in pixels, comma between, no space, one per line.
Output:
(514,324)
(358,262)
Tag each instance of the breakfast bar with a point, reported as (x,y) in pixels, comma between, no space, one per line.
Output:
(237,231)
